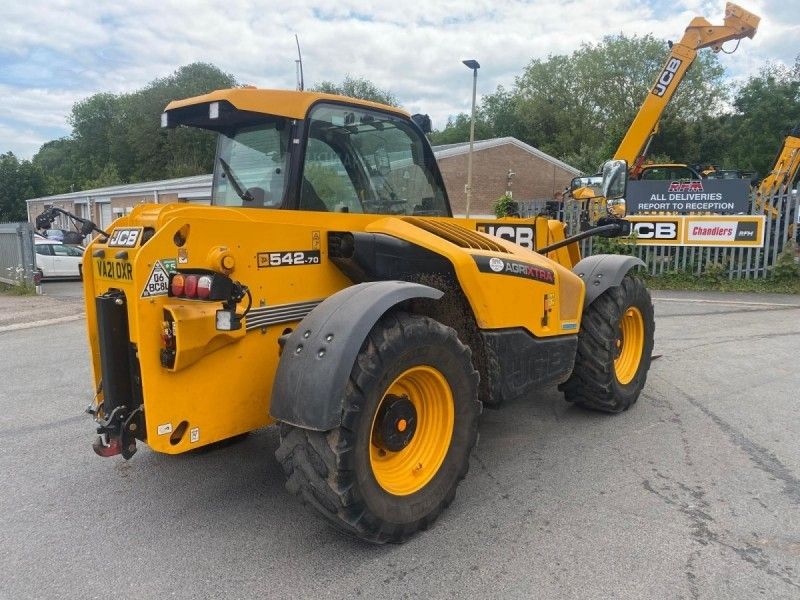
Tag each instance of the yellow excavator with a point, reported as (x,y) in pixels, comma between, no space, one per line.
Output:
(738,24)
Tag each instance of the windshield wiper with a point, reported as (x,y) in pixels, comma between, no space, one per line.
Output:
(237,187)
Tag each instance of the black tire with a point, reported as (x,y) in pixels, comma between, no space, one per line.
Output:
(80,272)
(331,471)
(594,382)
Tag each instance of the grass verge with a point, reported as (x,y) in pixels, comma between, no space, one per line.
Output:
(17,290)
(688,281)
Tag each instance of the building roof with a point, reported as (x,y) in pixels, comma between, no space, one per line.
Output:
(449,150)
(136,189)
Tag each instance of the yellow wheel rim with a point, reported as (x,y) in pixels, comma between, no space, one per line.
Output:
(629,345)
(410,468)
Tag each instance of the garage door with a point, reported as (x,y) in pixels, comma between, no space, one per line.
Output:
(105,215)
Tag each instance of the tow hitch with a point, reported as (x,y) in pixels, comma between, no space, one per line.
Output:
(116,434)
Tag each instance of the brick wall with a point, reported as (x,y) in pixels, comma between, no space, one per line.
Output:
(535,178)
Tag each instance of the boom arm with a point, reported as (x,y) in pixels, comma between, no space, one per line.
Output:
(783,172)
(786,165)
(699,34)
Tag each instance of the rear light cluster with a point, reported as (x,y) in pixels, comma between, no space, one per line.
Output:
(199,285)
(208,285)
(191,286)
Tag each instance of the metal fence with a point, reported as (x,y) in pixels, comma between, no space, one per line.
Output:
(17,258)
(733,263)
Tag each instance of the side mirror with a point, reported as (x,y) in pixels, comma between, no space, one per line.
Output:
(614,186)
(423,122)
(587,187)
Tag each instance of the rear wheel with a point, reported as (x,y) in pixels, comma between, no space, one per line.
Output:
(409,423)
(614,348)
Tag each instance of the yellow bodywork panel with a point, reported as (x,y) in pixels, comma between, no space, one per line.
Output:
(221,381)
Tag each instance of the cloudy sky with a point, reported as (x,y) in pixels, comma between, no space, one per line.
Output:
(54,52)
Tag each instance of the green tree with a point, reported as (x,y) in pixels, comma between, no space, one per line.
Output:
(117,138)
(767,107)
(578,107)
(19,180)
(357,87)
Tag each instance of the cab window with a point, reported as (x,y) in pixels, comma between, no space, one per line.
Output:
(675,173)
(369,162)
(327,185)
(251,165)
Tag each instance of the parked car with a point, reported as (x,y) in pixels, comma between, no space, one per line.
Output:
(54,259)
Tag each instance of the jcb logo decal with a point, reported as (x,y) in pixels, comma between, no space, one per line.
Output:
(522,235)
(124,238)
(661,230)
(666,77)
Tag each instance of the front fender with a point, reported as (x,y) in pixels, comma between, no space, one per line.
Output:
(604,271)
(318,355)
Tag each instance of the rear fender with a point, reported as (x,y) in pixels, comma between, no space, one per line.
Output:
(319,354)
(604,271)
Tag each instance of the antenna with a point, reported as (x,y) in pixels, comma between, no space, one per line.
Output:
(299,64)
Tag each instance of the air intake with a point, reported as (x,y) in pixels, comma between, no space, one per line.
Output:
(456,235)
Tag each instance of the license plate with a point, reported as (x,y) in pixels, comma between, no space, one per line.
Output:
(115,270)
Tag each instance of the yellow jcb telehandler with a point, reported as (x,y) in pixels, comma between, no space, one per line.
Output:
(329,290)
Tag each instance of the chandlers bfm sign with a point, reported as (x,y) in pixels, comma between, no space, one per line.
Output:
(746,231)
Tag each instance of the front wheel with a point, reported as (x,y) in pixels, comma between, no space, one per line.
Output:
(409,423)
(615,344)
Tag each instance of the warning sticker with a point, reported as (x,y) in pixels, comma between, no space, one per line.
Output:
(194,435)
(170,265)
(158,282)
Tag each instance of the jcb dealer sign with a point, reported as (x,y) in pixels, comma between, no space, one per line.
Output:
(744,231)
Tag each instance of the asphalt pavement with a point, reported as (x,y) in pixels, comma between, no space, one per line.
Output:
(693,493)
(62,288)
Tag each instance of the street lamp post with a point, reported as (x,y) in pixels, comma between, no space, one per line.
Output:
(474,65)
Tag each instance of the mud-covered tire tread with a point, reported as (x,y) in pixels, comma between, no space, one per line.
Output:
(319,464)
(593,383)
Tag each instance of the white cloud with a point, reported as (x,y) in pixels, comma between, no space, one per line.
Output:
(414,49)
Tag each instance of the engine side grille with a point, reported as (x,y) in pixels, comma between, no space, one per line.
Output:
(456,235)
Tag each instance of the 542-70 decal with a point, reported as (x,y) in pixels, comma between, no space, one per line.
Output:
(287,258)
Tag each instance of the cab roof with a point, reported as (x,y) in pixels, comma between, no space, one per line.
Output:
(285,103)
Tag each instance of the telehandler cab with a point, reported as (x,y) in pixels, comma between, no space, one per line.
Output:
(328,289)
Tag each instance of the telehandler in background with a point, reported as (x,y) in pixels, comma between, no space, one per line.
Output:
(634,147)
(783,174)
(328,289)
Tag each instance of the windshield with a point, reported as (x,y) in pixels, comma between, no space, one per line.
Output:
(363,161)
(251,165)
